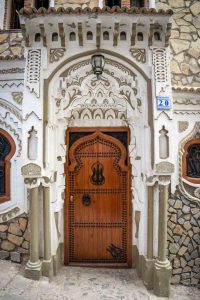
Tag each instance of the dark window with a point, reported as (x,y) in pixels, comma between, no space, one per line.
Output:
(14,18)
(55,37)
(112,3)
(137,3)
(41,3)
(193,161)
(7,150)
(4,151)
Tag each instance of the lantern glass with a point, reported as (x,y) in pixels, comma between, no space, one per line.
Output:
(98,63)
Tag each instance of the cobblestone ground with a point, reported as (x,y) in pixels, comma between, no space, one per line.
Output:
(74,283)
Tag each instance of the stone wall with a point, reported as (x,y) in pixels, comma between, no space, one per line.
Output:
(184,240)
(14,239)
(11,45)
(185,41)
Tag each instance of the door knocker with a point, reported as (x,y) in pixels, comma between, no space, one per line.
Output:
(97,177)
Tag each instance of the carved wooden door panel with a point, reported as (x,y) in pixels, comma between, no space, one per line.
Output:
(98,211)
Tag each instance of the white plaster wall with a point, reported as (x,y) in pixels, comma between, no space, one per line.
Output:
(2,6)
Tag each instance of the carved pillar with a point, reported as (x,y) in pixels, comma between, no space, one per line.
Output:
(149,260)
(162,271)
(47,269)
(33,267)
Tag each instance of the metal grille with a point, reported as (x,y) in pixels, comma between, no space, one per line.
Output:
(193,161)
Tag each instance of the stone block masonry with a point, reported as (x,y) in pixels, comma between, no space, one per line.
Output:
(184,240)
(11,45)
(184,41)
(14,239)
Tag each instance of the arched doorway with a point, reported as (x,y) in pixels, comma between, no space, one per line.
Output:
(98,216)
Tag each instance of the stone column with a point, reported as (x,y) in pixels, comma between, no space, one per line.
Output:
(33,267)
(149,260)
(162,271)
(47,269)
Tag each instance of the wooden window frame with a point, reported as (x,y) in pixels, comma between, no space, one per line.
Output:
(6,196)
(184,162)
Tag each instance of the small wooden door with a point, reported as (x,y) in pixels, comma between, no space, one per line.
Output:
(98,207)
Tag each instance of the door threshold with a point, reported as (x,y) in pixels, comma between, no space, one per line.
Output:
(99,265)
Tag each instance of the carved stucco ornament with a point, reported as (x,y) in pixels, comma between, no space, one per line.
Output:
(31,170)
(197,193)
(164,167)
(9,214)
(182,126)
(139,54)
(17,97)
(56,54)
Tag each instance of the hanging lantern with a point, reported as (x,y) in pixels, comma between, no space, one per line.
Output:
(98,63)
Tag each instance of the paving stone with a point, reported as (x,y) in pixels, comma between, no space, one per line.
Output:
(194,254)
(15,229)
(173,248)
(178,204)
(27,235)
(186,209)
(17,240)
(187,269)
(182,250)
(22,223)
(4,254)
(196,238)
(183,262)
(197,261)
(186,241)
(175,279)
(3,228)
(3,235)
(187,225)
(15,257)
(176,263)
(8,246)
(177,271)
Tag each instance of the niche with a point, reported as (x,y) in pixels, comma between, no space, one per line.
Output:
(72,36)
(157,36)
(32,144)
(123,36)
(54,37)
(89,36)
(37,37)
(163,143)
(140,36)
(106,35)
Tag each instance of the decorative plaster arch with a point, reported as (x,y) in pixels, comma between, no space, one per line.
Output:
(115,57)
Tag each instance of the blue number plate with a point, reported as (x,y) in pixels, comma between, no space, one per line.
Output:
(163,102)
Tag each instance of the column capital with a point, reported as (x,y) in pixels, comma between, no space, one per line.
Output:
(164,180)
(32,182)
(151,180)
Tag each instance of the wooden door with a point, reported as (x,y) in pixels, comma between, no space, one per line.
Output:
(98,207)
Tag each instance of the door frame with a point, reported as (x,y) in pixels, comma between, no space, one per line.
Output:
(67,191)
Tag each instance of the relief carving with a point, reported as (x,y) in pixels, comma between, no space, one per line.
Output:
(31,170)
(9,215)
(139,54)
(17,97)
(164,167)
(56,54)
(182,126)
